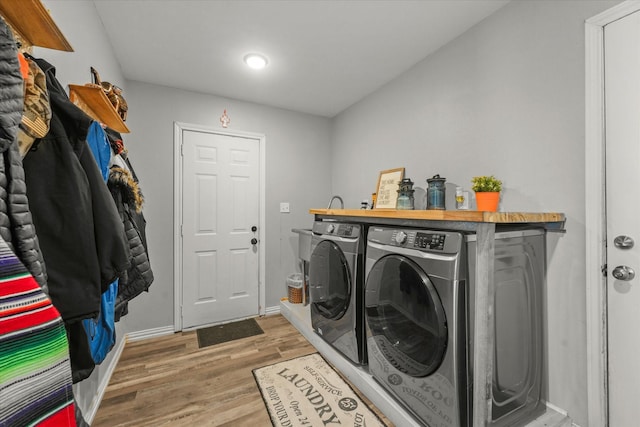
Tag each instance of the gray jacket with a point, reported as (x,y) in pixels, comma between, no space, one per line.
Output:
(128,198)
(16,224)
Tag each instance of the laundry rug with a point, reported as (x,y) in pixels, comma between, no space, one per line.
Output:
(228,332)
(306,391)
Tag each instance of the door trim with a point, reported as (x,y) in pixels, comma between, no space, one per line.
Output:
(595,211)
(178,128)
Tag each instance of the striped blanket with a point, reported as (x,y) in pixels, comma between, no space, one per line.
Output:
(35,373)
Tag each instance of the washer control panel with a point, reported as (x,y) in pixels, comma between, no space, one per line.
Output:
(429,241)
(423,240)
(419,240)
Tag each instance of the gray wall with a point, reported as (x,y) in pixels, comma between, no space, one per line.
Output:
(506,98)
(297,171)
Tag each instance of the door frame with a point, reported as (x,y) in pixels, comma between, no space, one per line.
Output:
(178,128)
(595,211)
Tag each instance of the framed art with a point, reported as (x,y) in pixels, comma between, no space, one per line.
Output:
(387,189)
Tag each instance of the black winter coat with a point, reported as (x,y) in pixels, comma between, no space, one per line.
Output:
(80,231)
(16,223)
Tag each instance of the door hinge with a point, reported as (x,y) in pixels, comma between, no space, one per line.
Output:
(604,271)
(181,233)
(182,150)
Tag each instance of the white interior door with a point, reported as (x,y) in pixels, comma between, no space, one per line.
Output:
(220,215)
(622,139)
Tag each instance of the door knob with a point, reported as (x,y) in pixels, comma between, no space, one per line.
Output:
(623,242)
(622,272)
(254,241)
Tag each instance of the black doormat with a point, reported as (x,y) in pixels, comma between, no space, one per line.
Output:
(228,332)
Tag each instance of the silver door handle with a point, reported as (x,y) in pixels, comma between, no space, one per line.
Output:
(623,242)
(622,272)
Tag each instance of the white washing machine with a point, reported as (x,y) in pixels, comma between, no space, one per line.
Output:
(416,321)
(336,271)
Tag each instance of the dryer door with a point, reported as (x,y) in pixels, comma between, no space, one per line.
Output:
(329,280)
(405,316)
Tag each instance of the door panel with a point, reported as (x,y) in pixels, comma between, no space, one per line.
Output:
(622,138)
(220,205)
(330,281)
(405,316)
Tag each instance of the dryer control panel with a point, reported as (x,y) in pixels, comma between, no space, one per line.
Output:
(345,230)
(337,229)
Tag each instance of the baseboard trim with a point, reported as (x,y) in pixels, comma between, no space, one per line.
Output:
(95,403)
(552,417)
(269,311)
(556,408)
(150,333)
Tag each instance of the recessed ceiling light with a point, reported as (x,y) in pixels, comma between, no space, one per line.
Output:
(255,61)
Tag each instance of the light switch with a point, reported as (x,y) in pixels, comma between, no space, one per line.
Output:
(284,207)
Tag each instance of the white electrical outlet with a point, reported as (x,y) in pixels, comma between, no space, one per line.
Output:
(284,207)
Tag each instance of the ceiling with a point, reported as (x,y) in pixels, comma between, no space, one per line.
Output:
(324,55)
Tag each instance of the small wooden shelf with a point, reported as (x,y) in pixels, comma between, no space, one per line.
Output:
(92,100)
(33,24)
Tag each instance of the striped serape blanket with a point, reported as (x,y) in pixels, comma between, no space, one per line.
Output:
(35,372)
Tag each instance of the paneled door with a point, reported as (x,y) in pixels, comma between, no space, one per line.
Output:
(220,219)
(622,139)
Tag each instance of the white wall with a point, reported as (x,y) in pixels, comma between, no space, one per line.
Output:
(297,171)
(505,98)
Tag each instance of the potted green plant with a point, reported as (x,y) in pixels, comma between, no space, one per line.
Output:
(487,189)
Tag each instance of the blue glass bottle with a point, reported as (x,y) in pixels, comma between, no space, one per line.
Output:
(436,192)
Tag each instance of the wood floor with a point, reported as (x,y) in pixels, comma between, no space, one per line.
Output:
(169,381)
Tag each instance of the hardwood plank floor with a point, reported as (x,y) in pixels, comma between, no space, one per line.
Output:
(170,381)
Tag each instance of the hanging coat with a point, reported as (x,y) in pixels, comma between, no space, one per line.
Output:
(123,184)
(35,385)
(101,331)
(81,235)
(128,198)
(16,223)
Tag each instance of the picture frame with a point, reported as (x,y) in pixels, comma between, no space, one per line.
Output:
(387,188)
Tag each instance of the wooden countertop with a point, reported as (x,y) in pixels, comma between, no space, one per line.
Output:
(442,215)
